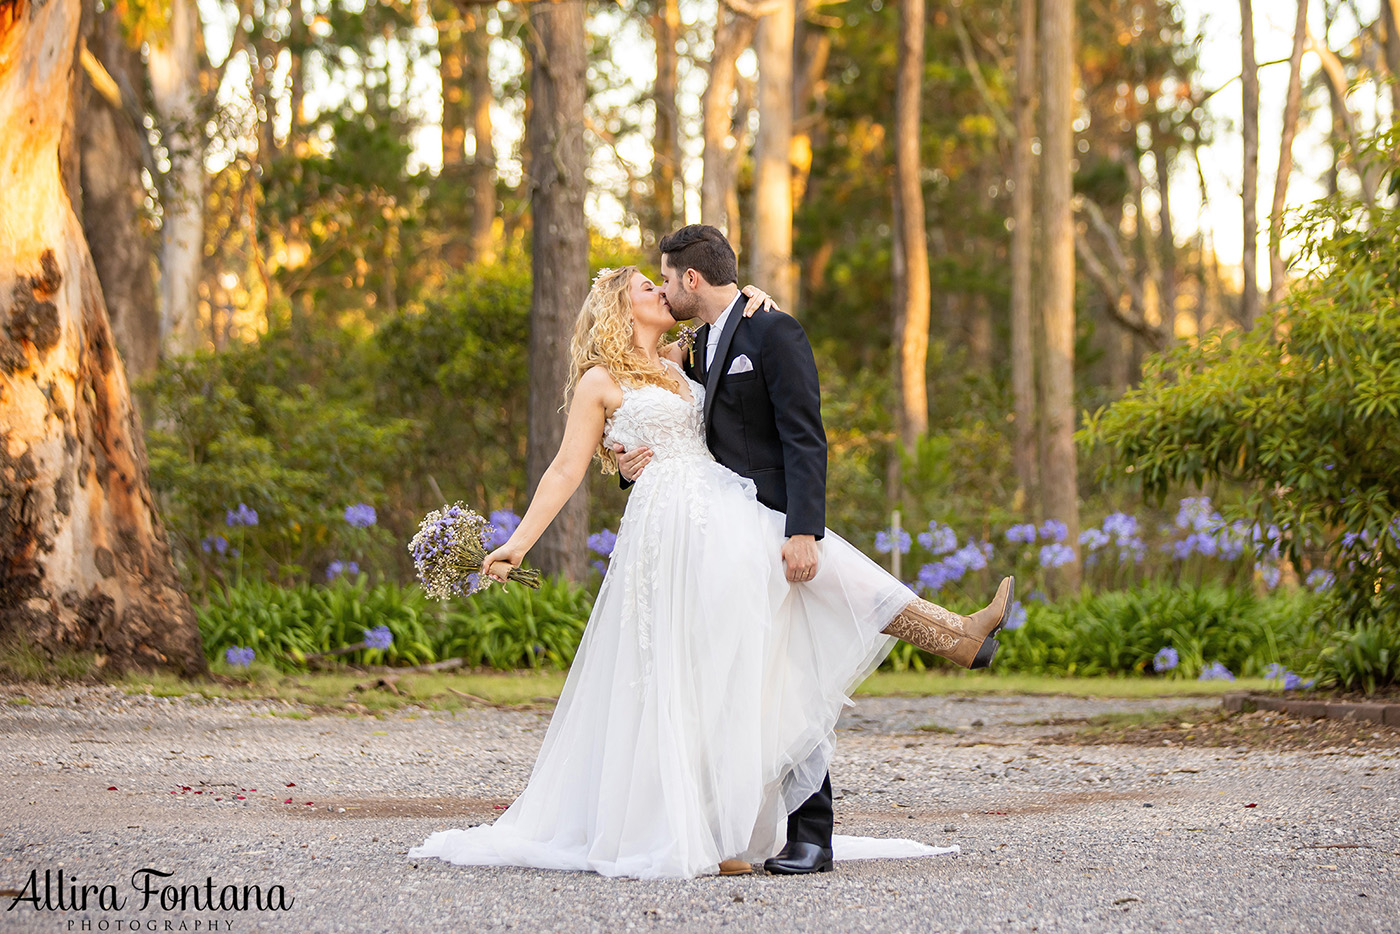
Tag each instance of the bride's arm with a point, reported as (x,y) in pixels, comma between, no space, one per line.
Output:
(595,393)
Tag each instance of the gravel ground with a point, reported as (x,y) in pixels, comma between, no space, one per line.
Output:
(1053,838)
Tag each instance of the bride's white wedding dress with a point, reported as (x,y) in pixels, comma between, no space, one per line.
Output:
(701,706)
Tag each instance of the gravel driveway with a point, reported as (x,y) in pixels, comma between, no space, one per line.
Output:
(101,785)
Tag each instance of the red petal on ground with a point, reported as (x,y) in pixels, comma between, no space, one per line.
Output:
(240,797)
(291,784)
(218,799)
(288,801)
(111,787)
(184,787)
(498,807)
(199,792)
(1251,805)
(309,803)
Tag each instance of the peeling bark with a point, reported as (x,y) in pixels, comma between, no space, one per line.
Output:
(84,562)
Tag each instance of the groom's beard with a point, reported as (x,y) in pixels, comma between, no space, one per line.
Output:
(684,312)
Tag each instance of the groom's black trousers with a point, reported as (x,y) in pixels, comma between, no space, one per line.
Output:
(813,819)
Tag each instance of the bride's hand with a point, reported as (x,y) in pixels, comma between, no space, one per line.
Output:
(758,299)
(501,562)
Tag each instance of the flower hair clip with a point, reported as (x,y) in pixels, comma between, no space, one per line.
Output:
(605,271)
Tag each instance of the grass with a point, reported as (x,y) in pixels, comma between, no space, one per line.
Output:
(927,683)
(359,692)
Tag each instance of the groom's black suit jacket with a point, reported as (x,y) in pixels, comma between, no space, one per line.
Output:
(766,424)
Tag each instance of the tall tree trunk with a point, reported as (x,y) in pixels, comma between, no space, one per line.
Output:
(1392,55)
(733,33)
(666,142)
(123,251)
(298,43)
(484,160)
(560,256)
(452,74)
(1060,478)
(1249,73)
(84,562)
(811,52)
(174,58)
(772,236)
(911,272)
(1285,154)
(1023,366)
(1166,238)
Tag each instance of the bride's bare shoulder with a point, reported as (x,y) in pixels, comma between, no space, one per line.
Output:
(598,385)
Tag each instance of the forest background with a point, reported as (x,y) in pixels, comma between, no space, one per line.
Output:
(341,244)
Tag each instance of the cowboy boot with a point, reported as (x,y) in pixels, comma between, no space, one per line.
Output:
(963,640)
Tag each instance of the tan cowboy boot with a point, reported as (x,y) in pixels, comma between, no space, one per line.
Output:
(963,640)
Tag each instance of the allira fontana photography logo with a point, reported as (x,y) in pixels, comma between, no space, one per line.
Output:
(149,890)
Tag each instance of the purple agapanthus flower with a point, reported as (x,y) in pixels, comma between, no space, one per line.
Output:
(1293,681)
(214,544)
(934,577)
(1215,671)
(337,568)
(1269,574)
(243,515)
(602,543)
(1166,659)
(1053,530)
(239,656)
(601,567)
(887,540)
(1320,579)
(1015,616)
(1023,534)
(1120,525)
(379,637)
(939,539)
(1056,555)
(503,523)
(361,515)
(1093,539)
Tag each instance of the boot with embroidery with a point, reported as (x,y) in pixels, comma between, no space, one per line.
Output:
(964,640)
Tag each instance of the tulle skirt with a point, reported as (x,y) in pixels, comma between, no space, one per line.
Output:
(701,706)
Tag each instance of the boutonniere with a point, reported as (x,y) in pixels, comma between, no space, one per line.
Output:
(687,341)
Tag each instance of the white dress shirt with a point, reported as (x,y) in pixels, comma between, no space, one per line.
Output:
(716,329)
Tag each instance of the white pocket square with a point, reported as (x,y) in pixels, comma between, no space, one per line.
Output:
(741,364)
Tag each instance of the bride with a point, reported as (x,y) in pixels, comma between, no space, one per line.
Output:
(701,704)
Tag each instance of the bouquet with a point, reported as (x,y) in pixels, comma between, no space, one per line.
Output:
(449,549)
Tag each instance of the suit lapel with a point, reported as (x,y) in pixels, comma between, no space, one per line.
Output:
(726,338)
(701,341)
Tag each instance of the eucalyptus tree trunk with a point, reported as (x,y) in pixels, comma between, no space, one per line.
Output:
(123,252)
(483,172)
(1023,366)
(84,563)
(733,33)
(174,62)
(771,244)
(452,70)
(1285,155)
(560,256)
(666,141)
(1249,73)
(1061,469)
(911,272)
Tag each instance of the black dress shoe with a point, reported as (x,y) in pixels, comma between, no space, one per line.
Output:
(798,858)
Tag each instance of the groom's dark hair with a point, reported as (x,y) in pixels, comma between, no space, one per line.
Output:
(704,249)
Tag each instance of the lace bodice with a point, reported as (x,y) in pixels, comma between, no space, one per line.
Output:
(662,420)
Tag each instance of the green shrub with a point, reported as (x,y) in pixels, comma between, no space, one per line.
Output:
(1366,658)
(518,627)
(1119,632)
(1304,410)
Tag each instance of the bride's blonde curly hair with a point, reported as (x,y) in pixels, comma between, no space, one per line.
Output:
(603,337)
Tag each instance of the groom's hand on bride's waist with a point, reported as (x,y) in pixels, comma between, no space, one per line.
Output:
(630,463)
(800,558)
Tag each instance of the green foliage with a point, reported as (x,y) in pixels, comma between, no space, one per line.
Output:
(1119,632)
(1304,410)
(284,625)
(226,430)
(1366,658)
(518,627)
(506,629)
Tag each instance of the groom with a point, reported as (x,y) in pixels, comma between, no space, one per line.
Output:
(762,420)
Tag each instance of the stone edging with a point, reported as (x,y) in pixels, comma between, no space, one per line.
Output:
(1388,714)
